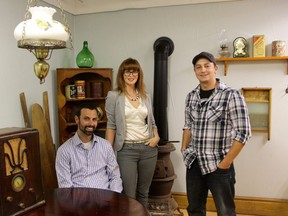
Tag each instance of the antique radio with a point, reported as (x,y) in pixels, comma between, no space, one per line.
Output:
(20,171)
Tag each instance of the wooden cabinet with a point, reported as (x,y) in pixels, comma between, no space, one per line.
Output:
(258,101)
(226,61)
(67,107)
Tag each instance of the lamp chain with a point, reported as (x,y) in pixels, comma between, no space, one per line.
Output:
(66,23)
(27,15)
(29,3)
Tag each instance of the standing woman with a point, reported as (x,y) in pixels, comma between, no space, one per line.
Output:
(132,131)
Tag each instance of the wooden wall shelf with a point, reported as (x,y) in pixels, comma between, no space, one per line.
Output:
(228,60)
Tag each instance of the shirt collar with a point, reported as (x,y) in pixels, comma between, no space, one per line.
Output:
(78,141)
(219,87)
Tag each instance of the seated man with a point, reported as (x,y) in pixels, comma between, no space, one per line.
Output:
(87,160)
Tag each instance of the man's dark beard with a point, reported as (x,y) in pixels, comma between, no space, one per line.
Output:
(88,133)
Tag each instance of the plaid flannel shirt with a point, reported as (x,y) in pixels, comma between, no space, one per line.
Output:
(214,125)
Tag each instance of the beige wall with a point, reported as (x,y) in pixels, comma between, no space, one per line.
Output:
(114,36)
(261,167)
(17,74)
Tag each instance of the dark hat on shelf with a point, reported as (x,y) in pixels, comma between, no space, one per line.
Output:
(205,55)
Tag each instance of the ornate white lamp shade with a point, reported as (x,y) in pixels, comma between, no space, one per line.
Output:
(39,35)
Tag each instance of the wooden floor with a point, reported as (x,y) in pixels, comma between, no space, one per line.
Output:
(208,213)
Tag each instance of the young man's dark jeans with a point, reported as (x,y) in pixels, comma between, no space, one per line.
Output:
(221,184)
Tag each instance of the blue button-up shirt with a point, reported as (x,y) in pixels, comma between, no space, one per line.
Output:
(214,125)
(95,167)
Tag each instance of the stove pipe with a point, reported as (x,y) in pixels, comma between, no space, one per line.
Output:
(163,47)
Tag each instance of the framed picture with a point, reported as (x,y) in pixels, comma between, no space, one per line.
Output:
(240,47)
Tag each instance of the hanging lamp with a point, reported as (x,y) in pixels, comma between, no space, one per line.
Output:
(40,34)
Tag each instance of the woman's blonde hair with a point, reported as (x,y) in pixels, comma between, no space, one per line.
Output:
(131,63)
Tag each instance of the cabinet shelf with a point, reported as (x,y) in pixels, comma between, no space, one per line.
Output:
(72,124)
(85,99)
(260,130)
(226,61)
(256,101)
(67,107)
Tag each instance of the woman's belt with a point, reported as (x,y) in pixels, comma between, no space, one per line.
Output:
(135,141)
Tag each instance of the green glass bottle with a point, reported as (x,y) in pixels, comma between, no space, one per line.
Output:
(85,59)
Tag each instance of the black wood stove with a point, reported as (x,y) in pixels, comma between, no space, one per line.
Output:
(161,201)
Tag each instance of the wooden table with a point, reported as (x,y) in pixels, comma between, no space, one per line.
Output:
(86,202)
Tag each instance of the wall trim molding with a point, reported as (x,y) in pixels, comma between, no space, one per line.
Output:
(244,205)
(77,7)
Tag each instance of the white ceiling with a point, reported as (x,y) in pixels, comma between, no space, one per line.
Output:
(78,7)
